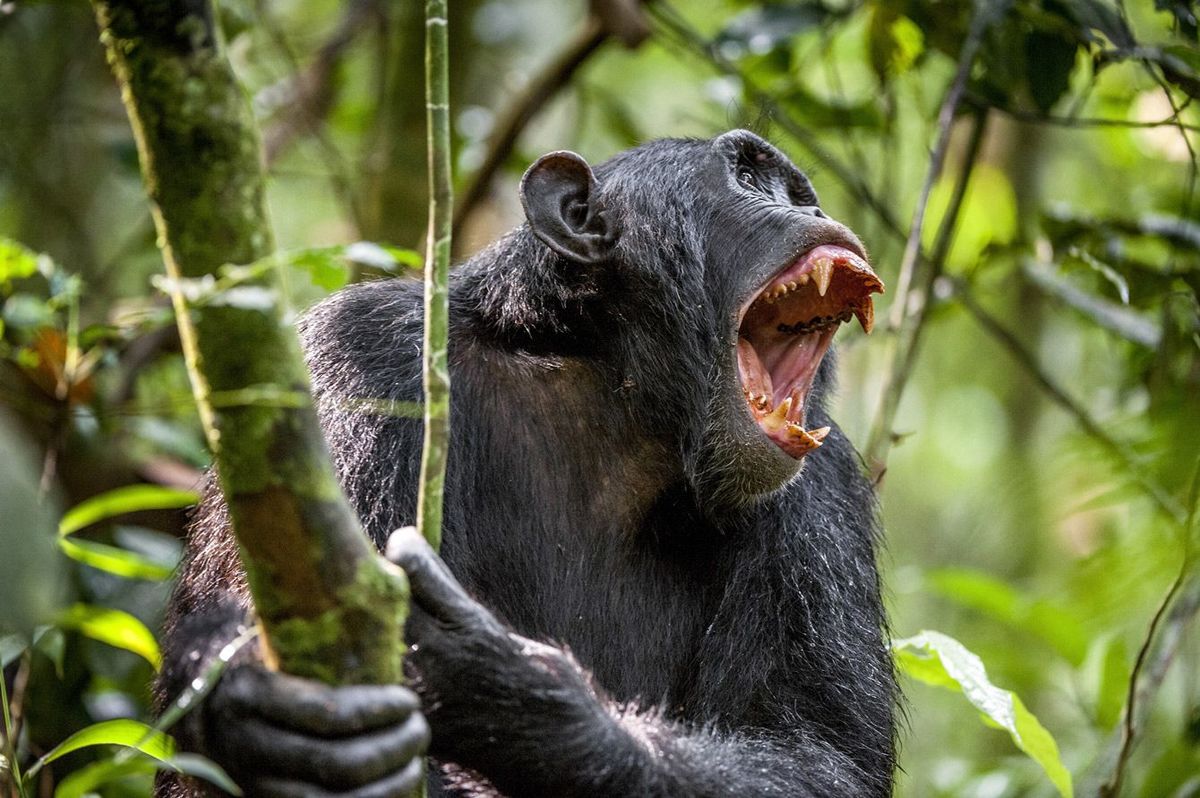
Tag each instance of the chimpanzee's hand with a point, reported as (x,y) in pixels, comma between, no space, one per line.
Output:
(499,703)
(280,735)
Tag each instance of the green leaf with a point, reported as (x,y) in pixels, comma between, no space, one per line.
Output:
(894,43)
(114,627)
(16,260)
(122,732)
(11,647)
(997,599)
(206,769)
(1106,673)
(114,560)
(324,265)
(942,661)
(129,499)
(85,780)
(988,215)
(52,643)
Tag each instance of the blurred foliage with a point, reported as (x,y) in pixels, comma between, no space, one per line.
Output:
(1040,497)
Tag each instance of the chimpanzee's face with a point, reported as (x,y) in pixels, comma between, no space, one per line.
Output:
(732,283)
(792,276)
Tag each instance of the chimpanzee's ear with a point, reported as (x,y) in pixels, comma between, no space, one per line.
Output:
(562,203)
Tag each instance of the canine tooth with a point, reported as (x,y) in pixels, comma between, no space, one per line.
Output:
(865,313)
(810,440)
(822,272)
(778,416)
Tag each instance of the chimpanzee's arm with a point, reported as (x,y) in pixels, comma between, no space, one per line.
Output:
(526,716)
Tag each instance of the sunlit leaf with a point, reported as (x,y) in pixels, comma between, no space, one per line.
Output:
(114,627)
(114,560)
(122,732)
(119,501)
(16,260)
(988,215)
(940,660)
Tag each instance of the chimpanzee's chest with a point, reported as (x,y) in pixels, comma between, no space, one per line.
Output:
(631,611)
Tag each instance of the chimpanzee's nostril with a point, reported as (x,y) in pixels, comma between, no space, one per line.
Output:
(812,210)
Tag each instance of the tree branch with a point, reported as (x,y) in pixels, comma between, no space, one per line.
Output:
(331,607)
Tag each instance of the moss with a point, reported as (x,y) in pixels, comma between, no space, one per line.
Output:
(332,610)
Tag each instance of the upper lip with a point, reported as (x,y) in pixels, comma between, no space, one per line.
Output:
(848,242)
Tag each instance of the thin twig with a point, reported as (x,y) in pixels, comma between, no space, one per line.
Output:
(909,336)
(1161,498)
(1179,606)
(544,87)
(1072,121)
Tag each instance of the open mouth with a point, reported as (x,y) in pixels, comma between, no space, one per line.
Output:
(784,331)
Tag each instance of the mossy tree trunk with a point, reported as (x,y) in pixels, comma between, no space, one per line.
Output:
(330,607)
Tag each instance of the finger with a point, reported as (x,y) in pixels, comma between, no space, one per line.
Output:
(433,586)
(334,764)
(401,783)
(307,705)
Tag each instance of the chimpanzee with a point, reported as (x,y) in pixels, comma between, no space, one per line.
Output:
(657,575)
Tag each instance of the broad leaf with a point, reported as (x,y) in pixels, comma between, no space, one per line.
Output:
(122,732)
(114,627)
(939,660)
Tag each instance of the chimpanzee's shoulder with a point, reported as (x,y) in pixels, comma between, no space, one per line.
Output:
(366,335)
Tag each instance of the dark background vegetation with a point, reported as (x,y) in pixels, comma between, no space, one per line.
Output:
(1038,479)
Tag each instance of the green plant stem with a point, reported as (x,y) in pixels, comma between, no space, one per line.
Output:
(435,364)
(10,737)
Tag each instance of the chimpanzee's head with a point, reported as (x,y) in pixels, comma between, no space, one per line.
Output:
(727,284)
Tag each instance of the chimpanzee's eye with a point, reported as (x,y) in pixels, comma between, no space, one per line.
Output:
(748,179)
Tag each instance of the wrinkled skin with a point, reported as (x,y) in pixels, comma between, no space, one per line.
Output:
(638,593)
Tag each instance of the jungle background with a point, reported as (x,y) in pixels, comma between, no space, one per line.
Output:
(1023,173)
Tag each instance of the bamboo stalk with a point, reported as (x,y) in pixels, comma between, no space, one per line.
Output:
(435,364)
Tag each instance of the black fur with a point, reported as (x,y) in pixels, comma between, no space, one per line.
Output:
(728,624)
